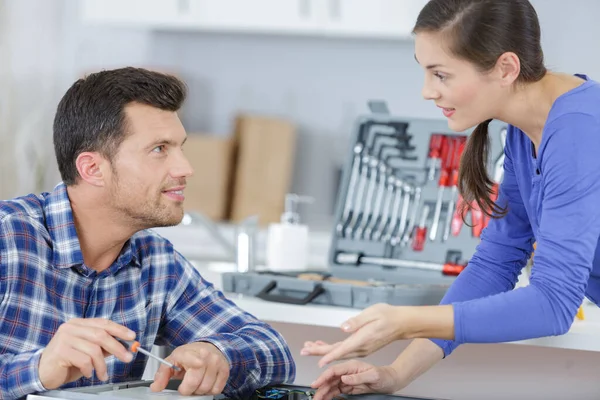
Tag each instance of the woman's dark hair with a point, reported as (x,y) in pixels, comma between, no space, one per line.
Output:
(91,114)
(480,31)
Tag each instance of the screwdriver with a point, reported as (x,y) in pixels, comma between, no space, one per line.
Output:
(134,347)
(444,180)
(421,231)
(459,146)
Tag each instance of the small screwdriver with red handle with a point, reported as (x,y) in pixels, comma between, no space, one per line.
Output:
(134,347)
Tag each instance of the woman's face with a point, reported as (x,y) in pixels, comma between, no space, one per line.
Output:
(465,95)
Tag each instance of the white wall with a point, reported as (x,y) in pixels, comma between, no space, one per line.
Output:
(322,84)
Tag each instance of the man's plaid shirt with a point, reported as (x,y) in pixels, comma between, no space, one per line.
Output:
(150,288)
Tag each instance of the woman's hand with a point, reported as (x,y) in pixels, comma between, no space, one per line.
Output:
(373,328)
(381,324)
(356,377)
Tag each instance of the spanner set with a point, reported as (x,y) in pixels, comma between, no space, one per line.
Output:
(396,226)
(402,210)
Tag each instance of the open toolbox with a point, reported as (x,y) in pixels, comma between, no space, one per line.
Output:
(397,236)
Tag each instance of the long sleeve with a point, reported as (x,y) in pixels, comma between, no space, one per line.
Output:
(567,237)
(506,245)
(19,375)
(18,372)
(258,355)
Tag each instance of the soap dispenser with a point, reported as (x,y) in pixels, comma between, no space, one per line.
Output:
(287,241)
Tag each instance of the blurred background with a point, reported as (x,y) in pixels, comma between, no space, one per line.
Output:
(294,74)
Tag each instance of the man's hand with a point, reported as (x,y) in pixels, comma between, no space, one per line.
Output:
(356,377)
(204,370)
(79,347)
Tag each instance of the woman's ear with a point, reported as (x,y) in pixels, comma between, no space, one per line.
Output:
(508,68)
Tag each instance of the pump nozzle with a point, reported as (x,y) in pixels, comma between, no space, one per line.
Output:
(290,215)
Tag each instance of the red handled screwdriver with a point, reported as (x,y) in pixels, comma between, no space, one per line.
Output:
(433,157)
(134,347)
(421,231)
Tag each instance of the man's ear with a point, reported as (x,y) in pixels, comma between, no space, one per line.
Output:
(90,166)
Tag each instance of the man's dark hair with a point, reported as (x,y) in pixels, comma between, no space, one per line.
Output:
(91,114)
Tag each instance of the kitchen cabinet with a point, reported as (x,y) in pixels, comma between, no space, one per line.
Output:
(373,18)
(391,19)
(269,16)
(134,13)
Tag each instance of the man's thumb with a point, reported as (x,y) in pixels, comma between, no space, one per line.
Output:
(362,378)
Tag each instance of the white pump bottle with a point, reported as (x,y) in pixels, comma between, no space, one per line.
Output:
(287,241)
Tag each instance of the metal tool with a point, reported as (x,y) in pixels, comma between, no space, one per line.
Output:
(385,217)
(358,199)
(397,237)
(413,216)
(459,146)
(398,187)
(457,217)
(357,258)
(354,176)
(420,234)
(498,174)
(367,203)
(134,347)
(433,157)
(376,214)
(446,156)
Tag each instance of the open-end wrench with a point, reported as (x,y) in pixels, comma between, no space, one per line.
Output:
(395,240)
(389,196)
(350,198)
(358,200)
(398,184)
(413,216)
(376,215)
(368,199)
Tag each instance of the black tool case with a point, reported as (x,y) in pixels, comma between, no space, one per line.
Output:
(387,171)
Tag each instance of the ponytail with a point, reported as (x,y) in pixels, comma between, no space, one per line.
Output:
(474,183)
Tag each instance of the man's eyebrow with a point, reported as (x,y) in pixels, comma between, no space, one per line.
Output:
(170,142)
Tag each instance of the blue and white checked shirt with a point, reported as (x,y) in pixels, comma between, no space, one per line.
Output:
(150,288)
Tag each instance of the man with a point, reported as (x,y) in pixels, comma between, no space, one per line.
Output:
(78,267)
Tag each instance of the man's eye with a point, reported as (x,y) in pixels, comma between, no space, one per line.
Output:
(158,149)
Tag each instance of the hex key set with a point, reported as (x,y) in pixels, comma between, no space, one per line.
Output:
(397,236)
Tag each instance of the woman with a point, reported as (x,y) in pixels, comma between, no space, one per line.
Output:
(483,61)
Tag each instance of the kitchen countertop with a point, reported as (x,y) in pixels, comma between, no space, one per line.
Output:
(583,335)
(202,252)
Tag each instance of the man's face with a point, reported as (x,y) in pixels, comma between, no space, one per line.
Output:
(149,170)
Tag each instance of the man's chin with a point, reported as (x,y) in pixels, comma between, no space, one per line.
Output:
(162,220)
(174,219)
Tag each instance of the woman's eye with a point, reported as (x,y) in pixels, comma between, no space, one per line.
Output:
(439,76)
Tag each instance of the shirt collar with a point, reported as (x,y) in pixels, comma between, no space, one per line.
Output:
(66,246)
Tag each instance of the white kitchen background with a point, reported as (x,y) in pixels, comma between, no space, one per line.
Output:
(320,80)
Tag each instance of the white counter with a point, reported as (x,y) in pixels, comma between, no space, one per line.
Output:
(583,335)
(547,368)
